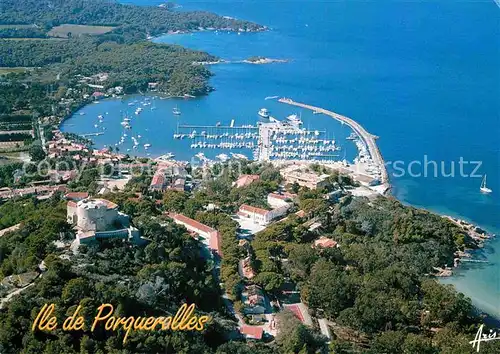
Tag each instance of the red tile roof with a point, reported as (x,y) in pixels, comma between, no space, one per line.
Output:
(254,210)
(296,311)
(158,180)
(76,195)
(192,223)
(245,180)
(214,243)
(109,203)
(300,213)
(252,331)
(277,196)
(325,242)
(72,204)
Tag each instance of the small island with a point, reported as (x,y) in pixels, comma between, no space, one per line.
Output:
(264,60)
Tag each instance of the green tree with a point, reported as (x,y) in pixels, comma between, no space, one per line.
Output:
(36,153)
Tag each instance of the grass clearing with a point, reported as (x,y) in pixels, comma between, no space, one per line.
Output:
(63,31)
(5,71)
(33,39)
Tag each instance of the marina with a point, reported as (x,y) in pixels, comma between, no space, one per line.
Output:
(369,151)
(274,140)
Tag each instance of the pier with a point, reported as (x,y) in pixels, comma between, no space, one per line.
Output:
(91,134)
(369,139)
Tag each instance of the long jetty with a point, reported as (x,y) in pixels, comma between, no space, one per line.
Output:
(369,139)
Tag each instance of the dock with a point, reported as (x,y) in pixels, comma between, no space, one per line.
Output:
(91,134)
(269,141)
(369,139)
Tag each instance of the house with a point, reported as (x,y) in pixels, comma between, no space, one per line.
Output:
(301,214)
(246,270)
(300,311)
(153,86)
(158,183)
(335,195)
(277,200)
(76,196)
(253,299)
(245,180)
(98,219)
(178,185)
(97,95)
(261,216)
(295,174)
(211,237)
(324,242)
(252,332)
(257,215)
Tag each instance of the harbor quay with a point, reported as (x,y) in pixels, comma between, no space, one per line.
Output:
(368,139)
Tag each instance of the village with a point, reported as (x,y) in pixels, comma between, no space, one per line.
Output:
(94,218)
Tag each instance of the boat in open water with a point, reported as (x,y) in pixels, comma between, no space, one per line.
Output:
(483,187)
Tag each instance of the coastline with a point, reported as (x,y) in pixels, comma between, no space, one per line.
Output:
(478,234)
(387,192)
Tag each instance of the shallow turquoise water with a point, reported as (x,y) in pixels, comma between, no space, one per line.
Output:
(424,76)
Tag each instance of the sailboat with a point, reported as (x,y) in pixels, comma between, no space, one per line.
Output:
(483,187)
(176,111)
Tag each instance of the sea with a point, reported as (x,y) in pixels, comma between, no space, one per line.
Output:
(424,76)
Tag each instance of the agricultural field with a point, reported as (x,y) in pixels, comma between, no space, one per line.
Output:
(65,31)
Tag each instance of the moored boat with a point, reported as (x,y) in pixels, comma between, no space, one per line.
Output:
(264,113)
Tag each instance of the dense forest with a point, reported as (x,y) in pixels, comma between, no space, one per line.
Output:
(131,20)
(131,66)
(123,53)
(153,280)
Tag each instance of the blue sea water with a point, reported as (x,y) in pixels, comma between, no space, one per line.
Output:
(422,75)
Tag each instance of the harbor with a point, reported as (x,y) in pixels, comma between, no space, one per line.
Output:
(269,140)
(138,125)
(374,158)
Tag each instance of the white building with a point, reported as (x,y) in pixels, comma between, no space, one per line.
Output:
(211,237)
(276,200)
(296,174)
(261,216)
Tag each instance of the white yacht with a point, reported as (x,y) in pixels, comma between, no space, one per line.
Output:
(483,187)
(223,157)
(352,136)
(264,113)
(294,119)
(176,111)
